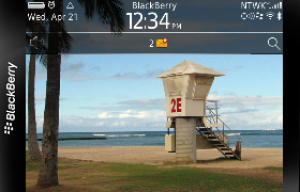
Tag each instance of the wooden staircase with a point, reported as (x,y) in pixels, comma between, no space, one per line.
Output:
(220,144)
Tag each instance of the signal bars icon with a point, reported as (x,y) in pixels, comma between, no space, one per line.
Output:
(276,6)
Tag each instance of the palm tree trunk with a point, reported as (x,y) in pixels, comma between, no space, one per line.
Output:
(48,175)
(33,147)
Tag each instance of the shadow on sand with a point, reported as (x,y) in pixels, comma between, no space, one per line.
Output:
(220,159)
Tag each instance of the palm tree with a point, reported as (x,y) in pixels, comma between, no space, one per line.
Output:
(111,12)
(38,29)
(33,26)
(33,147)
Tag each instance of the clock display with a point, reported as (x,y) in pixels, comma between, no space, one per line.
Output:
(153,18)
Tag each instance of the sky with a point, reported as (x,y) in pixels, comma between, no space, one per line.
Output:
(120,92)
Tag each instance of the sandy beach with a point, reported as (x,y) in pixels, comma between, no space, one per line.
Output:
(75,174)
(206,158)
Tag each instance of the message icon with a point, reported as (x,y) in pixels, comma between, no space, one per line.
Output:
(162,42)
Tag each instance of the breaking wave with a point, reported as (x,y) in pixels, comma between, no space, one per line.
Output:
(119,135)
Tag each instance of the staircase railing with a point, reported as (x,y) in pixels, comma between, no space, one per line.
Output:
(214,118)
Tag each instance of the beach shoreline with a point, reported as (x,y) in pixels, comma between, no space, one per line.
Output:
(156,155)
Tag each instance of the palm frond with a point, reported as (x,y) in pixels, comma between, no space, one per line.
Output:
(89,6)
(110,12)
(66,40)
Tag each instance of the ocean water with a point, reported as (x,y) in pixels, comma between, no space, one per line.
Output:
(249,138)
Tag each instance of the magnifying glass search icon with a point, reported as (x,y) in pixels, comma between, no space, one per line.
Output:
(276,42)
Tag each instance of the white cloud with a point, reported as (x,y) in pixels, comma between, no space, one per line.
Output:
(100,123)
(280,119)
(104,115)
(118,123)
(252,112)
(126,121)
(126,114)
(40,123)
(246,102)
(253,120)
(129,113)
(115,123)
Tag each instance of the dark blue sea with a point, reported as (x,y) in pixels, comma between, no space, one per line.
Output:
(249,138)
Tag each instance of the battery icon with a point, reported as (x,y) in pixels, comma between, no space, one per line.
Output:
(36,5)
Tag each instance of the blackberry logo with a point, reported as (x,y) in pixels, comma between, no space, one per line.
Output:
(11,98)
(8,128)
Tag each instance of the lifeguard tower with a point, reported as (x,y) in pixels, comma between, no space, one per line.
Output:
(186,88)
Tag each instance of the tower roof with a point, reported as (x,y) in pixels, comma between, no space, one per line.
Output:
(189,67)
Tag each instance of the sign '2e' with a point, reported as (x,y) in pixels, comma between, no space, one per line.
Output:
(176,105)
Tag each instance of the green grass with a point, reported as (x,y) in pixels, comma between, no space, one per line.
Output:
(274,168)
(78,175)
(32,165)
(146,177)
